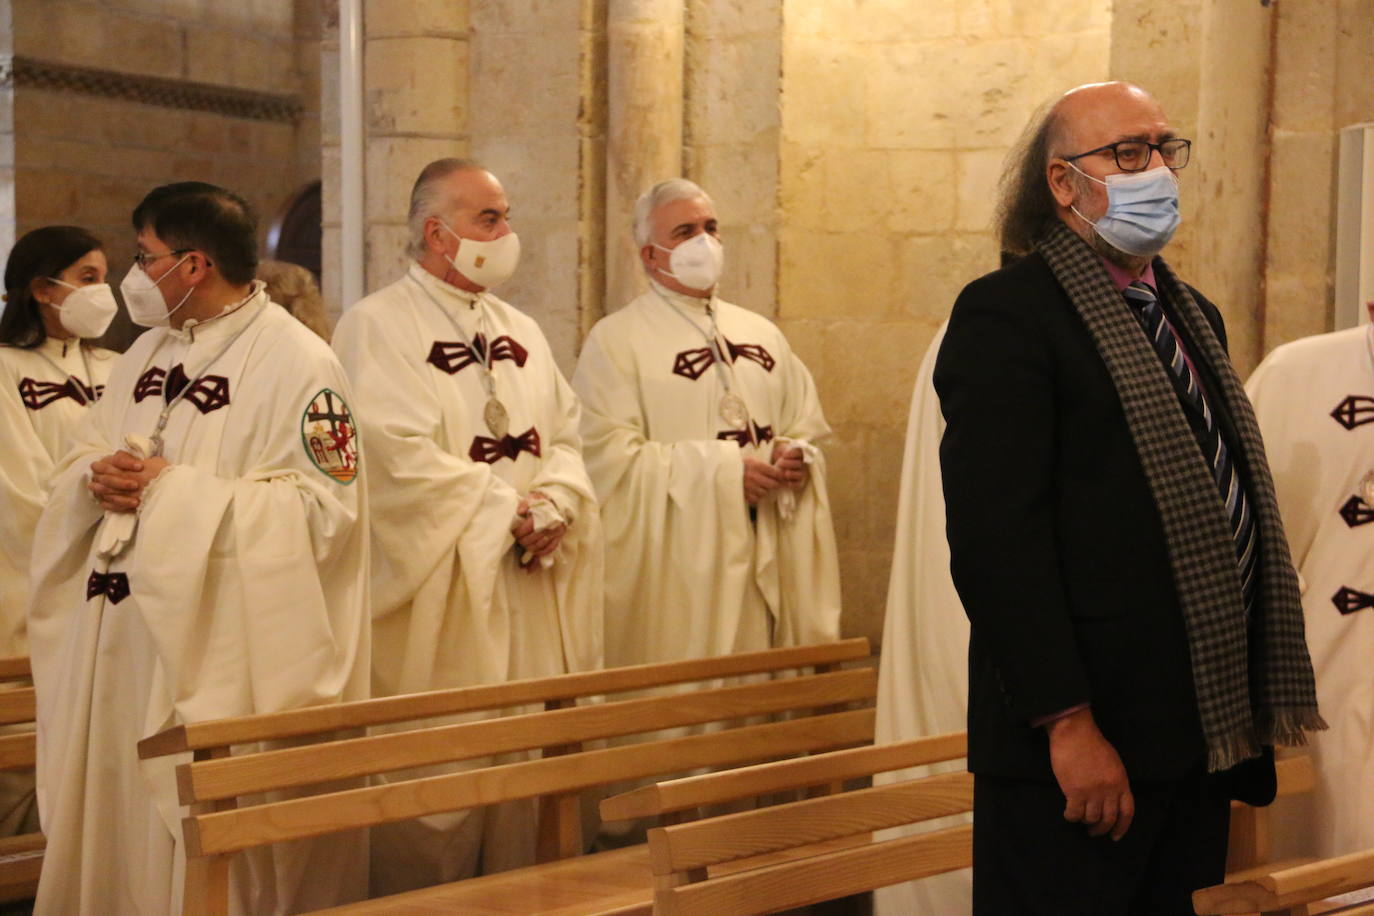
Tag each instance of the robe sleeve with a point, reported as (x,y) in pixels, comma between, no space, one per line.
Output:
(1290,454)
(623,462)
(25,469)
(426,502)
(797,560)
(62,541)
(563,474)
(254,586)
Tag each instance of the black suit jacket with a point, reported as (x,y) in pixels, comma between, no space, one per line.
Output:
(1057,549)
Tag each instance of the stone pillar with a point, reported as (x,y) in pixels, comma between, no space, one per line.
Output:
(537,111)
(1208,62)
(733,83)
(644,124)
(7,214)
(416,71)
(415,61)
(1323,81)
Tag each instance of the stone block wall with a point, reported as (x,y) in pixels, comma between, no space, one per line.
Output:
(895,120)
(1323,81)
(88,158)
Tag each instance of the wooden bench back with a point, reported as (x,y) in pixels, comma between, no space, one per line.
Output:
(697,865)
(692,861)
(17,707)
(1289,891)
(752,721)
(21,857)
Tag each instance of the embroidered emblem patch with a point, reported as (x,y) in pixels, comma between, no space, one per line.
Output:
(1354,410)
(1355,512)
(454,356)
(330,437)
(36,395)
(491,451)
(208,393)
(114,586)
(1348,600)
(691,364)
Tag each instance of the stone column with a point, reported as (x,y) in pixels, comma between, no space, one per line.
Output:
(415,60)
(1208,63)
(416,97)
(644,124)
(7,214)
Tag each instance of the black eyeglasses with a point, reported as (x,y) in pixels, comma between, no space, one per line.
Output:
(1134,155)
(143,259)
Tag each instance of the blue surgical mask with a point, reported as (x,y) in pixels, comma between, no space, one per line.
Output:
(1142,210)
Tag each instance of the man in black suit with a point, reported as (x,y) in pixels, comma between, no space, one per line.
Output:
(1137,643)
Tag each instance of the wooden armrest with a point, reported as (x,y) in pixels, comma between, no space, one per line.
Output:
(17,705)
(15,667)
(813,879)
(386,710)
(781,776)
(698,844)
(18,752)
(1307,883)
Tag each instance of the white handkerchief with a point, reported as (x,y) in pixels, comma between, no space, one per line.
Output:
(545,515)
(787,497)
(117,529)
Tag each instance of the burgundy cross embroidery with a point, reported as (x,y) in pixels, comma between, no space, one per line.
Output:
(36,395)
(115,586)
(454,356)
(755,352)
(209,393)
(1348,601)
(762,434)
(1356,513)
(691,364)
(1354,410)
(490,450)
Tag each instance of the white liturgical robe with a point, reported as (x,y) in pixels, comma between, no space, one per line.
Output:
(694,575)
(240,587)
(1314,399)
(923,678)
(43,393)
(452,605)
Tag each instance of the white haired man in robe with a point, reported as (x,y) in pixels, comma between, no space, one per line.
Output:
(488,554)
(700,429)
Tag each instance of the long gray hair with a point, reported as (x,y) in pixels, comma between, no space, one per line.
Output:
(1025,206)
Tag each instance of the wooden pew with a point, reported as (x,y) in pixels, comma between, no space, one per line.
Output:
(761,719)
(801,853)
(21,857)
(1296,890)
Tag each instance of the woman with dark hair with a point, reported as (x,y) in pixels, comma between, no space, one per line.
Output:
(55,298)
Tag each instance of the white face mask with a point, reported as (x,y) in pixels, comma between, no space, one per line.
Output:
(146,306)
(88,310)
(486,264)
(696,263)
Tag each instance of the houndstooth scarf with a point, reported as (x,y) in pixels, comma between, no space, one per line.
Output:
(1254,683)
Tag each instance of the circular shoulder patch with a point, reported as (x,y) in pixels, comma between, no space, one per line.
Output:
(330,437)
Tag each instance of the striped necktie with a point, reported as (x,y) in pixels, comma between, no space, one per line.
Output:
(1166,344)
